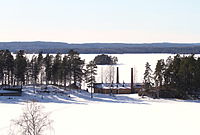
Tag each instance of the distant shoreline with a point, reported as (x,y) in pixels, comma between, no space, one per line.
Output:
(102,48)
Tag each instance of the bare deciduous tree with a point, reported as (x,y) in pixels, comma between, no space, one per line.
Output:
(33,121)
(135,74)
(109,76)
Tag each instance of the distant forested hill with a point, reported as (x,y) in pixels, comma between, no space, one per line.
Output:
(98,48)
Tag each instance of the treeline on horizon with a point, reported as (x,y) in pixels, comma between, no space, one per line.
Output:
(69,70)
(101,48)
(179,77)
(172,50)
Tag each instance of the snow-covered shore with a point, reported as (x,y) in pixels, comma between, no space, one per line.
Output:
(107,115)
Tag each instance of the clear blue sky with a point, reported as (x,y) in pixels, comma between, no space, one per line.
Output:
(77,21)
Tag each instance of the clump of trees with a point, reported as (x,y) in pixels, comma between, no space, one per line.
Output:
(104,59)
(179,76)
(56,70)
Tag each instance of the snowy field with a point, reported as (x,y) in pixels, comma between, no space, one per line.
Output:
(107,115)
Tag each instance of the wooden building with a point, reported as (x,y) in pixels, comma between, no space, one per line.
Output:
(11,91)
(117,88)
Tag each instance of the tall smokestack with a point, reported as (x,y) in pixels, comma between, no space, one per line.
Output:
(132,88)
(117,75)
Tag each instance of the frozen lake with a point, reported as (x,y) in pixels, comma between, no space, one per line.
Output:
(128,61)
(125,63)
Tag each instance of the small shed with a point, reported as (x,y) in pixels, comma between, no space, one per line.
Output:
(12,91)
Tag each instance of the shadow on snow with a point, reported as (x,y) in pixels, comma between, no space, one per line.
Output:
(61,96)
(106,98)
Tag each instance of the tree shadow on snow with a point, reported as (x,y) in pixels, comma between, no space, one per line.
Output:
(76,97)
(29,95)
(107,98)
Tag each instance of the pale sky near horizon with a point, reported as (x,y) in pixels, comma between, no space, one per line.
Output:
(85,21)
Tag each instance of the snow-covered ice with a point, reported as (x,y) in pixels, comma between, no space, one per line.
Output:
(105,114)
(125,63)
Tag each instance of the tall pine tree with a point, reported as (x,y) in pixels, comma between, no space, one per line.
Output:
(159,73)
(148,77)
(56,69)
(48,62)
(91,71)
(75,67)
(20,67)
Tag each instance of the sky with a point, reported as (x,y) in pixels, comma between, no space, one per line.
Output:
(110,21)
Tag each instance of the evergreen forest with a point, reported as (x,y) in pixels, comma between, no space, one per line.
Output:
(67,71)
(177,77)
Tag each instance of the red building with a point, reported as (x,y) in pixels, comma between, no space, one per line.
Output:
(117,88)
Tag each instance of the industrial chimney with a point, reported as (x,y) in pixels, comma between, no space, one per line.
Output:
(132,88)
(117,75)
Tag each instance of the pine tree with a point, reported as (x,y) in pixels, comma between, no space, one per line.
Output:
(91,71)
(56,69)
(40,61)
(34,69)
(174,69)
(48,67)
(1,66)
(192,72)
(197,74)
(29,79)
(8,67)
(65,69)
(75,67)
(148,77)
(159,73)
(20,67)
(168,72)
(186,73)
